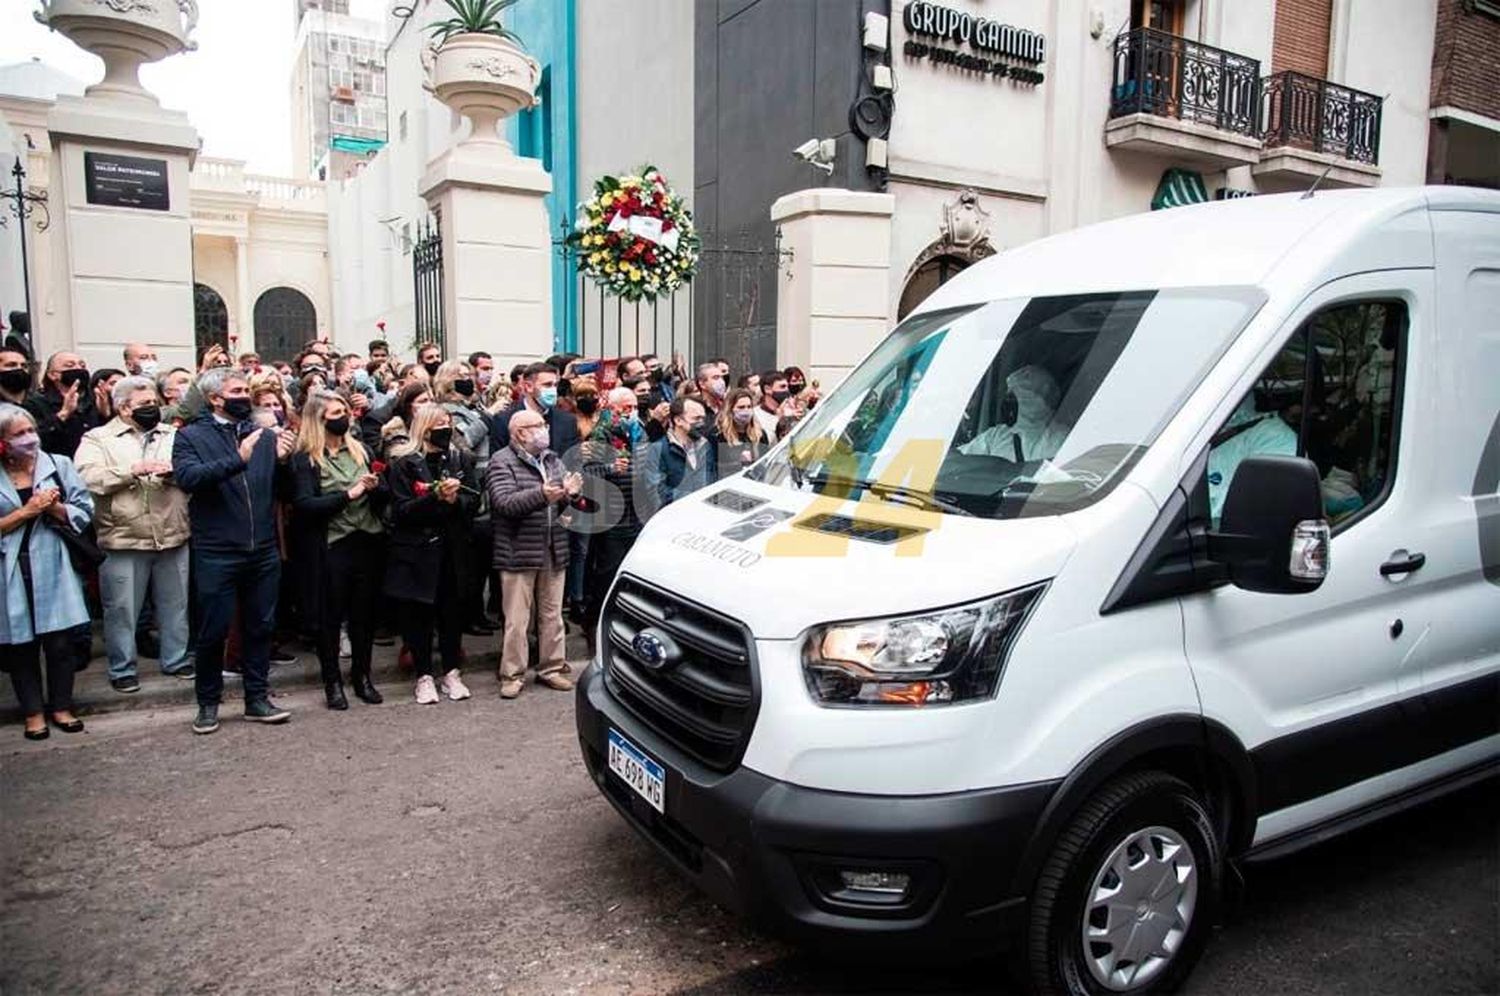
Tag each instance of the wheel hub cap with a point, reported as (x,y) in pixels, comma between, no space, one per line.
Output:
(1138,908)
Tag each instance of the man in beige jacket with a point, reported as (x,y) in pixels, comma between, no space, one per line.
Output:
(142,519)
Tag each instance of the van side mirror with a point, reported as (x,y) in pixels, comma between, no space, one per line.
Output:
(1273,536)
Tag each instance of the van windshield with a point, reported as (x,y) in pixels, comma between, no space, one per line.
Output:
(1035,406)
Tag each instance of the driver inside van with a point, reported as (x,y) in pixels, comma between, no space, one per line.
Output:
(1249,432)
(1032,436)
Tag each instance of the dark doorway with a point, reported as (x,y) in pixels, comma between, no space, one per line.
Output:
(210,318)
(284,320)
(929,277)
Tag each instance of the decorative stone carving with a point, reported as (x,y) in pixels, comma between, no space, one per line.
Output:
(125,34)
(483,77)
(966,223)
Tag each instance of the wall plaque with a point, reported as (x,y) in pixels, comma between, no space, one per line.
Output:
(125,181)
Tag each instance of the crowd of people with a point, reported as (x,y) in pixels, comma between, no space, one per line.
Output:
(212,518)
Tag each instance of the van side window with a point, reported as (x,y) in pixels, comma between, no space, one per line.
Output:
(1330,395)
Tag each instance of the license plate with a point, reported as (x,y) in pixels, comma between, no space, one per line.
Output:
(645,776)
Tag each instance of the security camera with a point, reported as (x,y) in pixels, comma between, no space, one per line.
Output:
(817,153)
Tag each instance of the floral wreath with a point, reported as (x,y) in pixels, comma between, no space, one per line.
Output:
(636,237)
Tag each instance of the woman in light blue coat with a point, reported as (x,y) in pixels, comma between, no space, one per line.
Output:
(40,493)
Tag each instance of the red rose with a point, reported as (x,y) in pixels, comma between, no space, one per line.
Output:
(618,443)
(422,489)
(377,467)
(650,258)
(666,225)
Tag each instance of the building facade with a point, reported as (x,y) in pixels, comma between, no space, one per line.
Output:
(1464,143)
(338,90)
(259,255)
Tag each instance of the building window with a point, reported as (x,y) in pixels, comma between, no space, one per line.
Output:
(284,320)
(210,318)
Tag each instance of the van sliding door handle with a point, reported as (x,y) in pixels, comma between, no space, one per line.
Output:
(1403,564)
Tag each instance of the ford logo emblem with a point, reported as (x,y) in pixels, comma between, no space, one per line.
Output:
(653,649)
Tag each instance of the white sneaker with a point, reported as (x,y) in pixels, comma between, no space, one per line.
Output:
(426,691)
(344,652)
(454,686)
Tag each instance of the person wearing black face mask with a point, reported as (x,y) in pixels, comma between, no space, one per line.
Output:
(142,521)
(339,538)
(15,376)
(434,495)
(771,413)
(455,389)
(430,357)
(683,460)
(229,470)
(64,407)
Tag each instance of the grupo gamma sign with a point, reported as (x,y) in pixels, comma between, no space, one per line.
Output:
(997,47)
(125,181)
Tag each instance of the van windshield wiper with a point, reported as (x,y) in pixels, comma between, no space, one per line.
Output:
(897,493)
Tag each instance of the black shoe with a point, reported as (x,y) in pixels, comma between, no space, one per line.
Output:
(128,684)
(333,692)
(279,656)
(186,674)
(479,629)
(76,726)
(208,719)
(41,734)
(262,711)
(365,689)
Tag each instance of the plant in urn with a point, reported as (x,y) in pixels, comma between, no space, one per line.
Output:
(125,34)
(479,69)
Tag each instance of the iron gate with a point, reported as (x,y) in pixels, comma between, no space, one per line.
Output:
(427,278)
(728,310)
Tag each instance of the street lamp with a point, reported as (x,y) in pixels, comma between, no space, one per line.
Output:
(23,203)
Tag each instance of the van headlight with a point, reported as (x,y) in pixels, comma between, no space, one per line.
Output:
(950,655)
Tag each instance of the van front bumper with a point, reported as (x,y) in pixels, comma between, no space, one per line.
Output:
(775,852)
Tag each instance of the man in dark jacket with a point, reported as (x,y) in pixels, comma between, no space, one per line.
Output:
(530,493)
(683,460)
(228,467)
(64,407)
(539,395)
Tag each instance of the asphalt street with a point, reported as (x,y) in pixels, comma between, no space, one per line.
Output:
(461,848)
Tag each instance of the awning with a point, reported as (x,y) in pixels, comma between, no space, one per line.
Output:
(1179,187)
(358,146)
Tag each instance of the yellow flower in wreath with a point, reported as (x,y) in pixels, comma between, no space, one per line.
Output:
(635,276)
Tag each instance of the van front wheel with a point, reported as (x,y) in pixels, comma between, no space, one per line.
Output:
(1129,894)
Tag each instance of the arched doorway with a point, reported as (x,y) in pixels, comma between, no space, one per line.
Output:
(210,318)
(926,277)
(284,320)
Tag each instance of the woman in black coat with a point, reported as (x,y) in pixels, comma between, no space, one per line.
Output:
(434,498)
(337,500)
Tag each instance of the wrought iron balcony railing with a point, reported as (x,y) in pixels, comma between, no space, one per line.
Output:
(1315,114)
(1161,74)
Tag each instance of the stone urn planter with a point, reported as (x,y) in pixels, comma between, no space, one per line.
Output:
(483,77)
(126,34)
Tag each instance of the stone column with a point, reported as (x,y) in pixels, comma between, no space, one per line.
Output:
(120,189)
(832,293)
(244,314)
(497,241)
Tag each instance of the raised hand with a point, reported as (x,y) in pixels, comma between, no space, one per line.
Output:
(247,445)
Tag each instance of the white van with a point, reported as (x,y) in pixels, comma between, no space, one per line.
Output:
(1137,551)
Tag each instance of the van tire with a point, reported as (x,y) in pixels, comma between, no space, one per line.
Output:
(1053,952)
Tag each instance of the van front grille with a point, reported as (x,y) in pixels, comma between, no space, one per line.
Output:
(704,697)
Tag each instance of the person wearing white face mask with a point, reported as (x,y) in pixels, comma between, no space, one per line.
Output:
(530,492)
(41,495)
(140,360)
(1033,435)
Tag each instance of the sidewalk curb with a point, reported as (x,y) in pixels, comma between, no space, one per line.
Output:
(93,696)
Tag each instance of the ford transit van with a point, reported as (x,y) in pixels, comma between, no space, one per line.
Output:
(1139,551)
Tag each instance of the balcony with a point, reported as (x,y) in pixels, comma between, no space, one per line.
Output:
(1194,104)
(1313,126)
